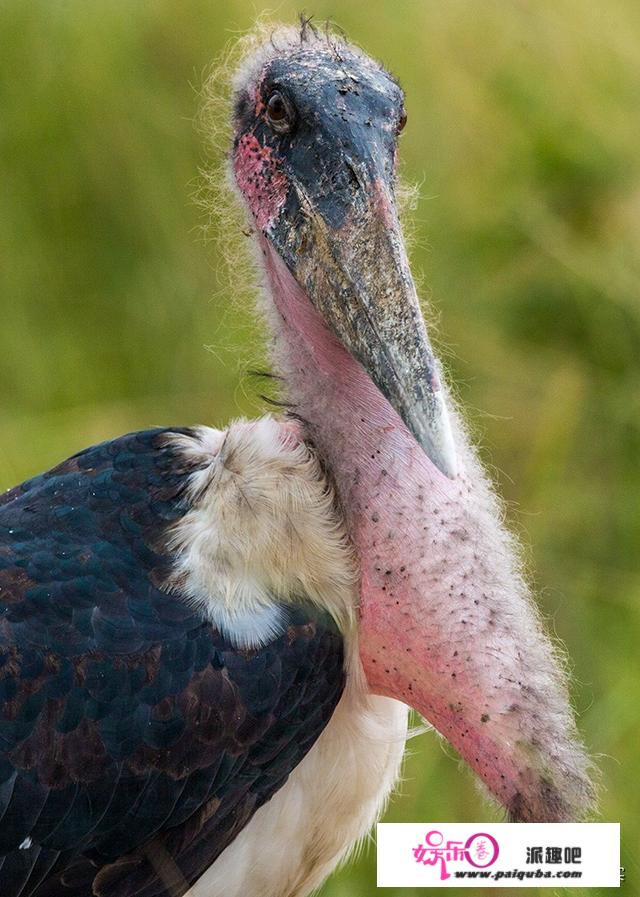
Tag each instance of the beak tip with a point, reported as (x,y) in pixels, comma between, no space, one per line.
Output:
(448,465)
(446,462)
(438,442)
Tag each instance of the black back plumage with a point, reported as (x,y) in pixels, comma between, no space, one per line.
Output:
(135,740)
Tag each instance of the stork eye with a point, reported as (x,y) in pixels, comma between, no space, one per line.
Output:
(279,112)
(402,120)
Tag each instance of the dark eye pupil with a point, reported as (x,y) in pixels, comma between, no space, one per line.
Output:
(276,108)
(402,120)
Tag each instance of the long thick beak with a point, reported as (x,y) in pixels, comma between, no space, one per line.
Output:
(358,277)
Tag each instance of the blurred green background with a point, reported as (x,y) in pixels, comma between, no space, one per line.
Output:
(524,134)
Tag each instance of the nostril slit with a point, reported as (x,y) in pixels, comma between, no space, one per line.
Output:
(353,176)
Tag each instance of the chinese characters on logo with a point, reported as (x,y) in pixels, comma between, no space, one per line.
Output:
(554,855)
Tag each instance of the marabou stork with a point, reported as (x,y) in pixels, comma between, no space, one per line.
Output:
(209,639)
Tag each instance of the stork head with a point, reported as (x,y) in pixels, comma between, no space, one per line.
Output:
(315,157)
(446,622)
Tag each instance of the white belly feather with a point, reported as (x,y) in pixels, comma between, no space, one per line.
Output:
(264,523)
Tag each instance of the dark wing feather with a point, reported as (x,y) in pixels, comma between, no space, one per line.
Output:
(135,741)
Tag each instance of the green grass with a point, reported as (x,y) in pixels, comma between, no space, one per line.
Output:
(523,132)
